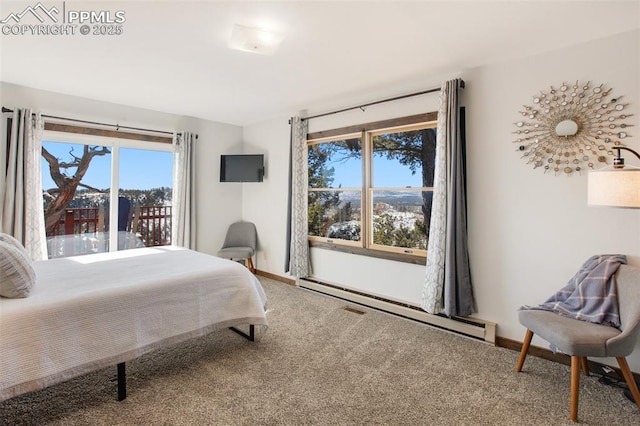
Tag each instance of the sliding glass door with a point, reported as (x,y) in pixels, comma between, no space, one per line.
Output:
(145,190)
(83,215)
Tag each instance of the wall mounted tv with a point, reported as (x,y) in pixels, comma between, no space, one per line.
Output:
(242,168)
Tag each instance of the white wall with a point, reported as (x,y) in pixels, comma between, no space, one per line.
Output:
(218,205)
(265,204)
(528,232)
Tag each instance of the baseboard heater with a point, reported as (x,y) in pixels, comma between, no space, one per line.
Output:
(472,327)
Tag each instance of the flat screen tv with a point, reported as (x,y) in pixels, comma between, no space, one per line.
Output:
(242,168)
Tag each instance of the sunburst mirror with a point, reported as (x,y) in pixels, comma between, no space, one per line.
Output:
(572,127)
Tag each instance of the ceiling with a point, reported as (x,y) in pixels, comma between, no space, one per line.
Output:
(172,56)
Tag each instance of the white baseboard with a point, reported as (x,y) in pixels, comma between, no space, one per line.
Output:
(474,327)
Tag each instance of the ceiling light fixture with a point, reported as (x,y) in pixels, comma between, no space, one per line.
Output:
(254,40)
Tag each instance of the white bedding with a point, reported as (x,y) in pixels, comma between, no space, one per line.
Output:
(89,312)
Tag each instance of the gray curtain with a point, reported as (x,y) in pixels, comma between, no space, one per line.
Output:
(448,288)
(297,256)
(287,254)
(22,213)
(183,223)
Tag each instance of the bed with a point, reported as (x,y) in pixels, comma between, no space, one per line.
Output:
(89,312)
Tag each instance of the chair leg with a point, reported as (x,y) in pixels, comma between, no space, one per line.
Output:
(525,349)
(250,265)
(628,377)
(575,386)
(585,365)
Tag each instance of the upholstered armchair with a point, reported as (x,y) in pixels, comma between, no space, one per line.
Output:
(581,339)
(240,243)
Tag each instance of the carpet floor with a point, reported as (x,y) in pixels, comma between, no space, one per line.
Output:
(319,364)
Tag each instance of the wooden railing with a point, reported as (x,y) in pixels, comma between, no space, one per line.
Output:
(151,223)
(79,221)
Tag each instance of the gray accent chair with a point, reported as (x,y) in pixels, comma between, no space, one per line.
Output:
(581,339)
(240,243)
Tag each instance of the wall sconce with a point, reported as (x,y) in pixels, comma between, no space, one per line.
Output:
(615,186)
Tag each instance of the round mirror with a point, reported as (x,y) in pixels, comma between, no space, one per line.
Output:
(566,128)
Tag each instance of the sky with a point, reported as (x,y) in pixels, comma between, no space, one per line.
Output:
(139,169)
(143,169)
(386,173)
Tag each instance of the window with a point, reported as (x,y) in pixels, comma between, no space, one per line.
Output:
(373,189)
(83,214)
(335,188)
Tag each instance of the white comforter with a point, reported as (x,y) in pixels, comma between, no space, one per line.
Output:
(89,312)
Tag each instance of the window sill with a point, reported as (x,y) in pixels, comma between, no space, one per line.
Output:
(397,257)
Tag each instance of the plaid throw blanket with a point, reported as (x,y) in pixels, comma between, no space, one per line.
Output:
(591,294)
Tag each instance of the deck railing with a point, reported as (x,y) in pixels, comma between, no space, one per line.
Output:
(151,223)
(154,225)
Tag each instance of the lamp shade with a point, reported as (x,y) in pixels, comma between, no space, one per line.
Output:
(614,187)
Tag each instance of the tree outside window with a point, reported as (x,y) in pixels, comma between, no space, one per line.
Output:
(77,194)
(373,188)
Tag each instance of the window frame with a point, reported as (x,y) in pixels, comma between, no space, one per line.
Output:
(366,132)
(333,189)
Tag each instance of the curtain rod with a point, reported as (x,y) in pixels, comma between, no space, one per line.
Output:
(424,92)
(117,126)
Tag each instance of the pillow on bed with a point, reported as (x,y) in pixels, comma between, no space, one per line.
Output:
(16,272)
(13,241)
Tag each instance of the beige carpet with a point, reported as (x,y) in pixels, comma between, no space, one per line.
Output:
(319,364)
